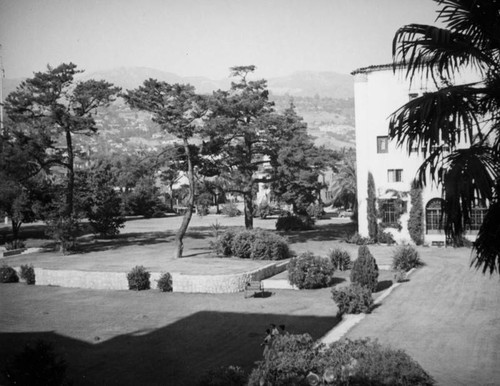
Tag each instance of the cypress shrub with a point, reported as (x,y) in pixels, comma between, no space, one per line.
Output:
(365,270)
(372,208)
(415,222)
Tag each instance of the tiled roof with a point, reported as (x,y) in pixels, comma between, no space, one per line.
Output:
(377,67)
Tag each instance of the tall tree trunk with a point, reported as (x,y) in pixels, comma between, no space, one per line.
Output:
(248,198)
(70,174)
(179,245)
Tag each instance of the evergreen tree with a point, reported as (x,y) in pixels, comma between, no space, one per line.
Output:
(365,269)
(415,222)
(372,208)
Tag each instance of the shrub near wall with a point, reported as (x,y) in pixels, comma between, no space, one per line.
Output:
(307,271)
(269,246)
(28,274)
(138,279)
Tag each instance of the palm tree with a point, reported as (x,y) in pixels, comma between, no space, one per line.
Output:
(461,117)
(343,186)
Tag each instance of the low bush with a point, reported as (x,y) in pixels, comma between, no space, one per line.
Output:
(365,270)
(341,260)
(138,279)
(385,237)
(15,244)
(354,299)
(225,376)
(298,360)
(242,244)
(269,246)
(223,245)
(37,364)
(230,209)
(292,222)
(357,239)
(28,273)
(307,271)
(165,282)
(399,276)
(8,274)
(405,257)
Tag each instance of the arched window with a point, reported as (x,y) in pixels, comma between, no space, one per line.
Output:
(477,217)
(434,218)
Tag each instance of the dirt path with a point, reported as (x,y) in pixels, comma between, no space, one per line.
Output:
(447,317)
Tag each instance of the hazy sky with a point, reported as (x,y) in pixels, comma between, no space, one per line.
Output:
(204,37)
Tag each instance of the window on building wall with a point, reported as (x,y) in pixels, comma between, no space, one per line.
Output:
(394,175)
(382,144)
(434,218)
(477,217)
(389,211)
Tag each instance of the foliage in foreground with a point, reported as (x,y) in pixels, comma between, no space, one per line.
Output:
(405,258)
(138,278)
(8,274)
(298,360)
(37,364)
(365,270)
(307,271)
(354,299)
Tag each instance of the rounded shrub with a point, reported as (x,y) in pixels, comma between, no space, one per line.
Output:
(8,274)
(405,257)
(291,222)
(225,375)
(138,279)
(341,260)
(365,270)
(165,282)
(269,246)
(385,237)
(354,299)
(230,210)
(297,359)
(307,271)
(242,244)
(28,273)
(223,245)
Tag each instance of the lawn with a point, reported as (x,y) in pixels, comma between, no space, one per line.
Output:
(446,316)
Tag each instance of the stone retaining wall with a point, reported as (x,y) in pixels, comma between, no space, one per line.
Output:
(180,282)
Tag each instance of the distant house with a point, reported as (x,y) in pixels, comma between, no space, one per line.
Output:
(378,93)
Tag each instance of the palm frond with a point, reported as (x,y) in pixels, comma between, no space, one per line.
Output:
(476,19)
(444,116)
(433,50)
(487,244)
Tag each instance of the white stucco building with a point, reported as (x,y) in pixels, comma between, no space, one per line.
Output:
(378,93)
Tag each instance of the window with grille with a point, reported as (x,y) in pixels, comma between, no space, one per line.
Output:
(382,144)
(394,175)
(434,218)
(389,211)
(477,218)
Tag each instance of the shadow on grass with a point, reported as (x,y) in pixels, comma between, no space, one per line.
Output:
(326,232)
(176,354)
(383,285)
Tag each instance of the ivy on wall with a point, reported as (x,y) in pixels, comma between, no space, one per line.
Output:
(390,210)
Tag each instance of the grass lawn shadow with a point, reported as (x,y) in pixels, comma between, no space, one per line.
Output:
(175,354)
(383,285)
